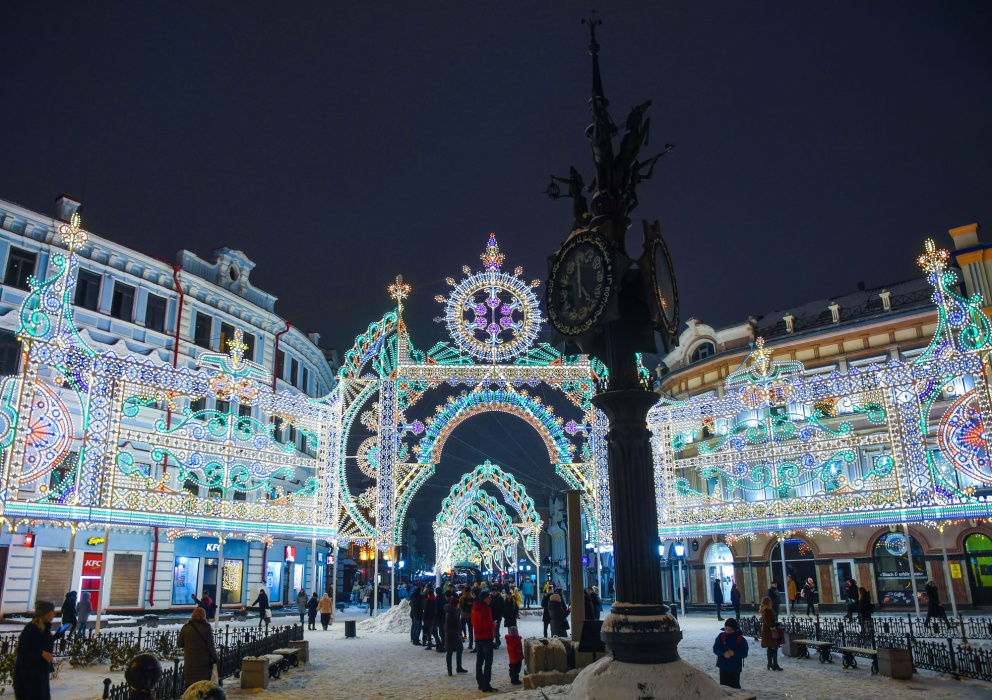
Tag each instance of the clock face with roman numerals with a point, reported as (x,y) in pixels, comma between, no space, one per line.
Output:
(580,284)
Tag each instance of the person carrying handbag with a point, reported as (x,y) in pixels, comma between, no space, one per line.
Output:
(199,653)
(771,634)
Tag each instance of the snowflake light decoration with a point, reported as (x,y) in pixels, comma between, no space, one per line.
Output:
(492,315)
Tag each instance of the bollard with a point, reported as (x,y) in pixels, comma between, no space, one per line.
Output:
(106,688)
(143,675)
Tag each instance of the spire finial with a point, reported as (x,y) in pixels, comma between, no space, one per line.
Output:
(597,84)
(592,21)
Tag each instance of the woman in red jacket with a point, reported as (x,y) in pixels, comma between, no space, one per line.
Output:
(482,625)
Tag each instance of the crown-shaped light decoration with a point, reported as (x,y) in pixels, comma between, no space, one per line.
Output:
(234,376)
(73,236)
(492,258)
(764,382)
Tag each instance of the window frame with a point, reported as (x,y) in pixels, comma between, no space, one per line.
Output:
(116,310)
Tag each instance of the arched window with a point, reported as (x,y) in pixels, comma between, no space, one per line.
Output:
(719,567)
(703,350)
(891,554)
(978,550)
(799,565)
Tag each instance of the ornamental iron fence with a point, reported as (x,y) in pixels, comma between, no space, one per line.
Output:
(172,685)
(940,645)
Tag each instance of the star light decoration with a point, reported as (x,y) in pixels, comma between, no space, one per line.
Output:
(492,315)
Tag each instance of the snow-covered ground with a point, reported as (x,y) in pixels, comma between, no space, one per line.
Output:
(383,665)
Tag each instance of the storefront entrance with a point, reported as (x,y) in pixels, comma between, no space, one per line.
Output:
(978,557)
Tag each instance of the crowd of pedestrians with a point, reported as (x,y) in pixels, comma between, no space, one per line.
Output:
(484,618)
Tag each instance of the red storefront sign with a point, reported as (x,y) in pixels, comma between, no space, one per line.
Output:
(92,564)
(290,554)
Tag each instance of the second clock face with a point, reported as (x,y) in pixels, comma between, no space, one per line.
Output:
(664,281)
(580,284)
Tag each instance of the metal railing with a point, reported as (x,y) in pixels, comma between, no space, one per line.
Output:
(954,654)
(172,685)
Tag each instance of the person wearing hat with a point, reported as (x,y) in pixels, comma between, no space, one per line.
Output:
(730,648)
(35,646)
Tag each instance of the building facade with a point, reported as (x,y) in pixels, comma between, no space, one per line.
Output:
(834,338)
(138,305)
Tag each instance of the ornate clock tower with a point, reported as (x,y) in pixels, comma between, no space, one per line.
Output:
(606,303)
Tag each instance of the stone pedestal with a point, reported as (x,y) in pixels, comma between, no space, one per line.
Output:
(255,672)
(789,646)
(895,663)
(303,649)
(608,679)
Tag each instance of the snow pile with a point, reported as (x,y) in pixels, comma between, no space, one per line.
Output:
(396,619)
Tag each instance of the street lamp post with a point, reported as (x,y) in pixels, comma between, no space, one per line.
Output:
(680,554)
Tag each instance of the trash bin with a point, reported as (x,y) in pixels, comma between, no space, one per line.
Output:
(349,628)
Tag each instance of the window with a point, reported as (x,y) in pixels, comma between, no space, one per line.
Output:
(280,364)
(892,568)
(249,341)
(10,352)
(978,558)
(20,266)
(294,371)
(277,429)
(198,405)
(122,303)
(244,410)
(799,565)
(192,487)
(291,435)
(155,313)
(87,290)
(184,580)
(223,408)
(305,384)
(702,351)
(226,335)
(203,329)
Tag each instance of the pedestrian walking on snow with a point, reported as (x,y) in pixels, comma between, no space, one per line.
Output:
(312,604)
(326,608)
(482,623)
(718,596)
(811,596)
(262,601)
(301,604)
(515,654)
(735,600)
(453,634)
(730,648)
(771,633)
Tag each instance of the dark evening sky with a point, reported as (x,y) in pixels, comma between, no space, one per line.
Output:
(338,144)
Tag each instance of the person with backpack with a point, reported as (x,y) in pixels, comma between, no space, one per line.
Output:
(731,649)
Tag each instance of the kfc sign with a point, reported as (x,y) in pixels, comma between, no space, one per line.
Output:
(92,564)
(290,553)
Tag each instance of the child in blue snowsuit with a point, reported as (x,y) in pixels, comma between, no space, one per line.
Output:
(730,648)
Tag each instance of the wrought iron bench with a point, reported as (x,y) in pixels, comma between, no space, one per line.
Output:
(822,648)
(850,654)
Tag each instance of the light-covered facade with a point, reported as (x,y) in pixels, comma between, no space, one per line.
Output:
(174,314)
(833,344)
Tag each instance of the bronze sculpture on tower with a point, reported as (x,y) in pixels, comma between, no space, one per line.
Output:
(603,302)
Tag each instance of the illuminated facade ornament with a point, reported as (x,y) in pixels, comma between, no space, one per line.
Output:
(492,316)
(784,450)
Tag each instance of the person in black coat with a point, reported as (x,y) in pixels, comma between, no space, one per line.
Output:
(851,594)
(312,612)
(440,601)
(33,662)
(262,601)
(429,620)
(453,633)
(718,596)
(69,612)
(735,600)
(511,611)
(934,608)
(416,616)
(546,616)
(773,595)
(498,606)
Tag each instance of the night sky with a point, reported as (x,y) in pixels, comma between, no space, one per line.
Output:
(339,144)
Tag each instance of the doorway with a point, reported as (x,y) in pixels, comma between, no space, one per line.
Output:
(719,569)
(978,554)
